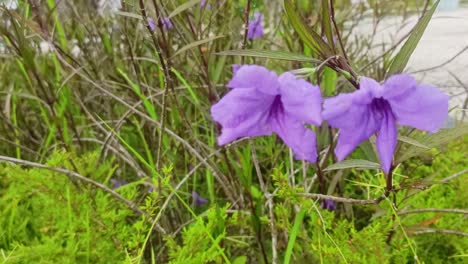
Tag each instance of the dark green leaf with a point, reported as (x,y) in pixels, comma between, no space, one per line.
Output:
(326,23)
(310,38)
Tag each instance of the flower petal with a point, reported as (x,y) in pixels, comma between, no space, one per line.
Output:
(256,77)
(387,140)
(301,99)
(356,123)
(368,90)
(398,85)
(423,107)
(299,138)
(242,113)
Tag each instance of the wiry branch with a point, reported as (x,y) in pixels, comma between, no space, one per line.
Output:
(437,231)
(341,199)
(433,210)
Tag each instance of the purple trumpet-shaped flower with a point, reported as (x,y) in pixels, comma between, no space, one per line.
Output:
(328,204)
(198,200)
(261,103)
(376,108)
(255,29)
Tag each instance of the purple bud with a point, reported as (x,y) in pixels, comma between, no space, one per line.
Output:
(203,4)
(166,22)
(151,24)
(255,27)
(328,204)
(117,183)
(197,200)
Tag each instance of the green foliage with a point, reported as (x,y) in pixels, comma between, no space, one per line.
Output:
(49,218)
(110,99)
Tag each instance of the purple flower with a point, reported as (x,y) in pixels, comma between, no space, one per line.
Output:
(328,204)
(255,27)
(117,183)
(203,4)
(235,68)
(376,108)
(151,24)
(166,22)
(197,200)
(261,103)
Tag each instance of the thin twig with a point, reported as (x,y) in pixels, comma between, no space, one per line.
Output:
(341,199)
(437,231)
(451,177)
(433,210)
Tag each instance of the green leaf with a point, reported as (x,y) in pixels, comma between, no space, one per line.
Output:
(328,82)
(278,55)
(240,260)
(293,234)
(401,59)
(195,44)
(326,23)
(431,141)
(187,85)
(356,164)
(183,7)
(413,142)
(310,38)
(136,88)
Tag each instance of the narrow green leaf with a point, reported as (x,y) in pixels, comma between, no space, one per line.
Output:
(310,38)
(353,164)
(326,23)
(413,142)
(431,141)
(293,234)
(187,85)
(183,7)
(399,62)
(195,44)
(136,88)
(278,55)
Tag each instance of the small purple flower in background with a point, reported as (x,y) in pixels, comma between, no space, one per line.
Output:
(166,22)
(255,26)
(328,204)
(376,108)
(197,200)
(151,24)
(117,183)
(203,4)
(261,103)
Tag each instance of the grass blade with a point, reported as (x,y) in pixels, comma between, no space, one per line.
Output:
(293,234)
(195,44)
(356,164)
(278,55)
(401,59)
